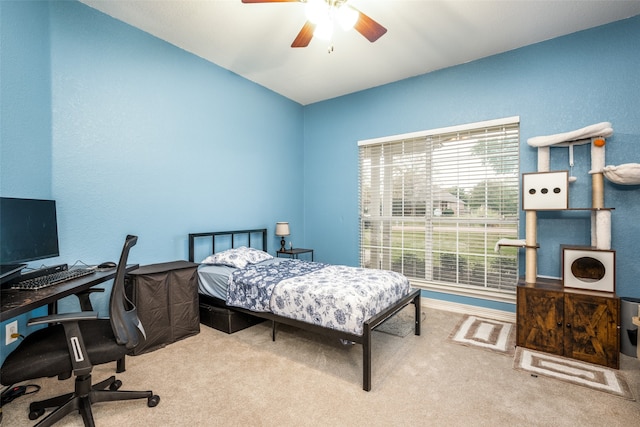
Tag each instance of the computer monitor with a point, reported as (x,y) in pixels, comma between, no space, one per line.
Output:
(28,232)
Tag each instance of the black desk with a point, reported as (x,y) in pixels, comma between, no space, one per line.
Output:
(14,303)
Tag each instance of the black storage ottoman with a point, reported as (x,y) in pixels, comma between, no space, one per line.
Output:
(166,296)
(215,314)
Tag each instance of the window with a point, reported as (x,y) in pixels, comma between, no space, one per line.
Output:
(434,204)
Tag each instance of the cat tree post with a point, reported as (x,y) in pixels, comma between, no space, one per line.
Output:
(531,218)
(597,177)
(600,218)
(544,158)
(531,260)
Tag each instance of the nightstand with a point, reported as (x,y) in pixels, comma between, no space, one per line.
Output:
(293,253)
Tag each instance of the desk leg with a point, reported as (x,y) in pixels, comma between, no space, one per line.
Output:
(53,308)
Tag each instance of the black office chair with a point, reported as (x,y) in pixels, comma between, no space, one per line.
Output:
(77,342)
(85,305)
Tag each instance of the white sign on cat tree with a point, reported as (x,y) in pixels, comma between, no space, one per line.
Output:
(545,191)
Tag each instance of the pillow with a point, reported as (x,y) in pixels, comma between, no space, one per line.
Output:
(237,257)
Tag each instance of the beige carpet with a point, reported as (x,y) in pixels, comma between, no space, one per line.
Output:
(572,371)
(401,324)
(245,379)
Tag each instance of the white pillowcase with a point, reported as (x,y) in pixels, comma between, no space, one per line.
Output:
(237,257)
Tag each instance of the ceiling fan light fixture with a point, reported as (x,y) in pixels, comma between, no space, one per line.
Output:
(316,10)
(324,15)
(324,29)
(347,17)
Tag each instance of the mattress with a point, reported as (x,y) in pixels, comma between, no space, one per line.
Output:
(213,279)
(331,296)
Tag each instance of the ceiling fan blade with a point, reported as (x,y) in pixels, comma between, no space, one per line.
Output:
(369,28)
(268,1)
(304,36)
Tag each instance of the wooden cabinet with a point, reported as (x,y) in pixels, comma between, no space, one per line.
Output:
(583,325)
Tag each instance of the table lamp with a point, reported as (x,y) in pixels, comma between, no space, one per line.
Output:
(282,229)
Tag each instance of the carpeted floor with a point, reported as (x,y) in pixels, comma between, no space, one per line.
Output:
(402,324)
(245,379)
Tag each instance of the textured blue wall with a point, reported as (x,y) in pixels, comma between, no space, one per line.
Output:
(25,104)
(151,140)
(556,86)
(132,135)
(25,115)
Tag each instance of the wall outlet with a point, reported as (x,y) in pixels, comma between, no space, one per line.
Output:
(11,329)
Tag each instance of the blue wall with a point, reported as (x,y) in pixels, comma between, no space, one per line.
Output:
(151,140)
(556,86)
(133,135)
(25,114)
(25,104)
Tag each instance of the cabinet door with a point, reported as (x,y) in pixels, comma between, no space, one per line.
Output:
(591,330)
(540,320)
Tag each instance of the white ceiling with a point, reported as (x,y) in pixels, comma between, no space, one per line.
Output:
(253,40)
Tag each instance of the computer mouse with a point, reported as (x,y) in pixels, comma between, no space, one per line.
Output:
(108,264)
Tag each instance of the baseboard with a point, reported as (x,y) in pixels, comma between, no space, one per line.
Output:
(455,307)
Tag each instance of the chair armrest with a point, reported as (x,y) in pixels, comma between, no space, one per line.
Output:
(62,318)
(71,323)
(84,300)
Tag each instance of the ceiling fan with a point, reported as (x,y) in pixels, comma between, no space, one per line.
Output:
(321,16)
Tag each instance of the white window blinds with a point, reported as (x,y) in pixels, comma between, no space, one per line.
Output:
(434,204)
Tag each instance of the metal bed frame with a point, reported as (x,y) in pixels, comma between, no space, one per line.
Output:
(369,325)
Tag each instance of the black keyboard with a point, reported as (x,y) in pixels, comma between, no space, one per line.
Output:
(36,283)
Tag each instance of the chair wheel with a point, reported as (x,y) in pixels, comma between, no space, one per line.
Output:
(115,385)
(36,414)
(153,401)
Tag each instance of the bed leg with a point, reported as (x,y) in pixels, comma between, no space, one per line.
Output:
(273,330)
(418,320)
(366,357)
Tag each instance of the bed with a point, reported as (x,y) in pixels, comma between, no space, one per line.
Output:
(238,275)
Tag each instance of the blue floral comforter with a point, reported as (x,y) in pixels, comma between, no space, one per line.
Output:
(333,296)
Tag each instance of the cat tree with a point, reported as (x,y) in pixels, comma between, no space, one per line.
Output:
(600,216)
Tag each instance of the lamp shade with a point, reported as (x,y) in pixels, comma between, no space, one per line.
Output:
(282,229)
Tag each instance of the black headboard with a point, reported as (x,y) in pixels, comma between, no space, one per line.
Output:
(243,235)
